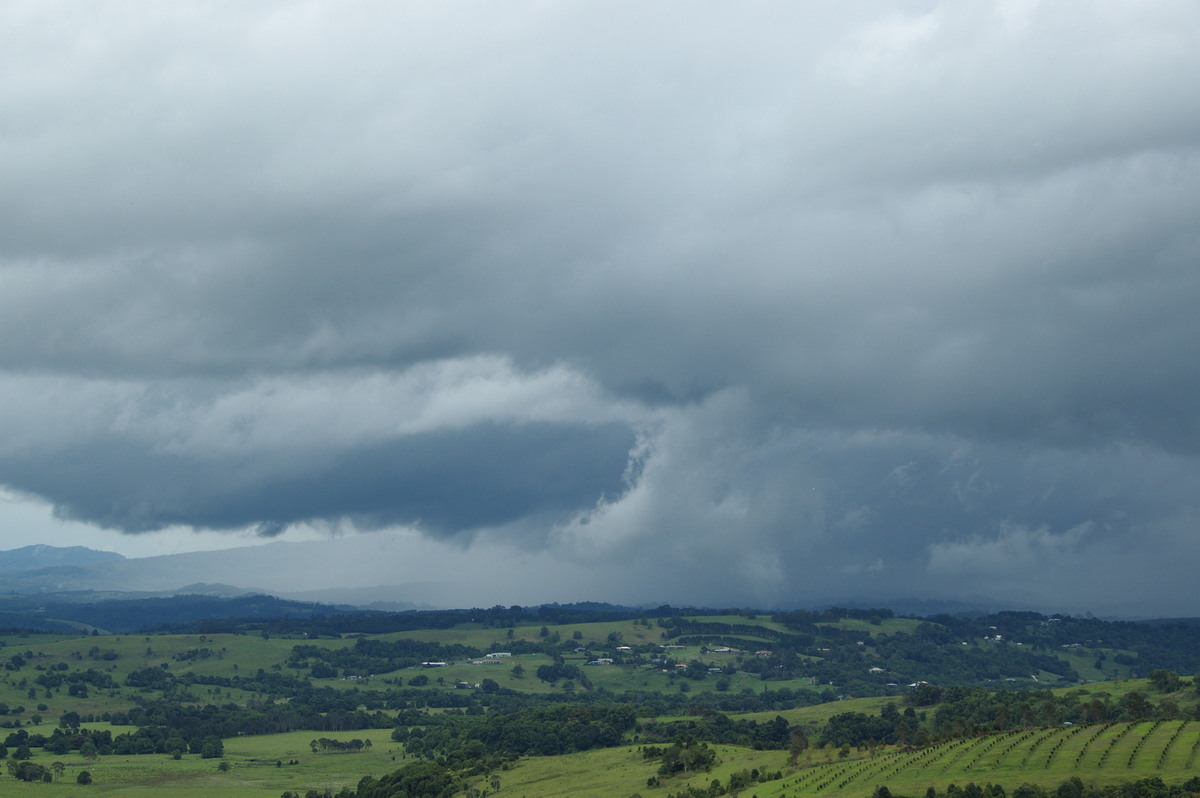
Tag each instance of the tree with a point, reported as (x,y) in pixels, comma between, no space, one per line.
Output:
(1165,681)
(28,771)
(83,778)
(1136,706)
(925,695)
(799,742)
(212,748)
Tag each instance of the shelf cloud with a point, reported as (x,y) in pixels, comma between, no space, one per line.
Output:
(767,305)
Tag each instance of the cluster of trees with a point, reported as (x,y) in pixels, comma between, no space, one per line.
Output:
(968,711)
(738,782)
(684,756)
(718,728)
(90,743)
(56,678)
(150,678)
(146,740)
(24,770)
(339,746)
(317,711)
(973,710)
(483,742)
(28,771)
(557,671)
(414,780)
(857,728)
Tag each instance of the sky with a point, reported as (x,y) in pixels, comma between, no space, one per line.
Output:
(761,304)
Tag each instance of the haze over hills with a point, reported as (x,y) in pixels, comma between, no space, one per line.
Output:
(29,558)
(347,572)
(301,571)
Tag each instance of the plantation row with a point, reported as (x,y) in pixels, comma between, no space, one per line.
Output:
(1104,752)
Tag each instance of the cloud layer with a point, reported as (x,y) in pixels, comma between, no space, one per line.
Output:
(787,302)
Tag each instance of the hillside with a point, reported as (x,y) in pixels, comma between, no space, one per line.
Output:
(611,689)
(33,558)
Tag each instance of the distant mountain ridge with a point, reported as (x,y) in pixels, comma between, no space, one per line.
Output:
(37,557)
(85,611)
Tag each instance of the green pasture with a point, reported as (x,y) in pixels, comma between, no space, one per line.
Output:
(886,626)
(740,620)
(818,714)
(253,772)
(229,654)
(446,677)
(488,638)
(1102,754)
(620,772)
(1115,691)
(118,656)
(1083,660)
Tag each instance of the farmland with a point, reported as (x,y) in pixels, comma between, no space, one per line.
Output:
(664,706)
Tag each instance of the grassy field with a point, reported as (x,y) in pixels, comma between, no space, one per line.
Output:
(1101,753)
(623,772)
(252,773)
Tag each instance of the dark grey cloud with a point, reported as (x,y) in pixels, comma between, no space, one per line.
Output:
(890,298)
(441,482)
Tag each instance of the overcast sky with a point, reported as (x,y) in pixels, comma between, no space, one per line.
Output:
(755,303)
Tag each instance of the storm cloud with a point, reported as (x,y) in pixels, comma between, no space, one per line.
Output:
(775,304)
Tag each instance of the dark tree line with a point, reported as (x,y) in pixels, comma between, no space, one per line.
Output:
(538,731)
(1074,787)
